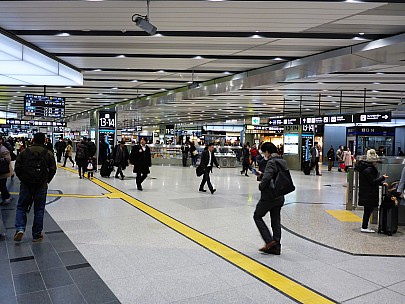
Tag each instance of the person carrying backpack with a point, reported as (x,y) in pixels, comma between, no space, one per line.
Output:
(269,202)
(81,158)
(35,167)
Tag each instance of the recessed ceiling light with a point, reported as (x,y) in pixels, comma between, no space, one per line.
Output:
(157,35)
(256,36)
(227,73)
(134,80)
(376,83)
(120,56)
(97,70)
(88,98)
(63,35)
(278,58)
(361,33)
(198,57)
(114,88)
(160,71)
(68,87)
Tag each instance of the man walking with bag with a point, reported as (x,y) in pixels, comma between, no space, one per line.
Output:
(35,167)
(269,201)
(208,159)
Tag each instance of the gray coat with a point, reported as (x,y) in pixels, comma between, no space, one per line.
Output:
(269,173)
(5,153)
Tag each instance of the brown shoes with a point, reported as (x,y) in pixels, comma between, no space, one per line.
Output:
(274,250)
(268,246)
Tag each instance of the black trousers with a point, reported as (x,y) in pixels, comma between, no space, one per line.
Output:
(140,177)
(316,165)
(3,189)
(185,156)
(206,179)
(70,158)
(366,216)
(262,208)
(82,170)
(59,156)
(119,171)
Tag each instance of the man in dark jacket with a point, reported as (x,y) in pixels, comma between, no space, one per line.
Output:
(120,157)
(91,148)
(269,203)
(35,167)
(208,159)
(60,147)
(141,158)
(104,150)
(82,157)
(315,153)
(369,182)
(185,150)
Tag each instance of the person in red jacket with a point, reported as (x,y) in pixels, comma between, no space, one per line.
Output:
(253,155)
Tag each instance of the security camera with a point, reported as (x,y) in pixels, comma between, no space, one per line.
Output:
(144,24)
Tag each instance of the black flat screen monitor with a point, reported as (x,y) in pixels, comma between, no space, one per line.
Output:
(44,106)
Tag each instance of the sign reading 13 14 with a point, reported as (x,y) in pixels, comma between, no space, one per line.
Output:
(106,120)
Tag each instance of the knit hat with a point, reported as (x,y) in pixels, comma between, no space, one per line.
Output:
(371,156)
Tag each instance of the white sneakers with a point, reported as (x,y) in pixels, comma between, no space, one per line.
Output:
(367,230)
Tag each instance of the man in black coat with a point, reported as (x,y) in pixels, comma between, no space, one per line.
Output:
(315,157)
(104,150)
(60,147)
(369,182)
(120,157)
(208,159)
(269,203)
(141,158)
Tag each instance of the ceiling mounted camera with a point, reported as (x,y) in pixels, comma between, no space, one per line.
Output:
(143,22)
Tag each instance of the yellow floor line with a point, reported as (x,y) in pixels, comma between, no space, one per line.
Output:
(345,216)
(72,195)
(278,281)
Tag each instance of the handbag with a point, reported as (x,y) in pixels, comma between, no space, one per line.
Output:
(200,170)
(4,166)
(282,183)
(195,152)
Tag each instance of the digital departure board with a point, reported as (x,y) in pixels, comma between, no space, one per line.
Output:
(44,106)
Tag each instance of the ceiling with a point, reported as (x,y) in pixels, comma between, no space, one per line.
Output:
(251,58)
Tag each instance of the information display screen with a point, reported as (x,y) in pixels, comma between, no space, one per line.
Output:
(291,144)
(44,106)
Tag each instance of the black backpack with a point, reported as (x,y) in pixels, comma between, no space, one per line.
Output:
(282,183)
(80,153)
(35,167)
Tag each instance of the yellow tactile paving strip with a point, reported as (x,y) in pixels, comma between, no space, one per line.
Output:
(345,216)
(287,286)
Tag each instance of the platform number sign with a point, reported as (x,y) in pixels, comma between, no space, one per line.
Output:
(106,121)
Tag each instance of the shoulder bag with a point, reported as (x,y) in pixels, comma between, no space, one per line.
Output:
(282,183)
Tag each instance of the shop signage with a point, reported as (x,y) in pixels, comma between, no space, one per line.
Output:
(169,129)
(267,128)
(372,117)
(106,120)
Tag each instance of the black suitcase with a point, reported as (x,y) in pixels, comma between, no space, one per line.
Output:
(106,168)
(307,167)
(388,215)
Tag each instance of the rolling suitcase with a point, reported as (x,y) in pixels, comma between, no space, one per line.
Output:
(106,168)
(388,215)
(307,167)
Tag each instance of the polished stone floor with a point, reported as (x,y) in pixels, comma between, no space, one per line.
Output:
(143,261)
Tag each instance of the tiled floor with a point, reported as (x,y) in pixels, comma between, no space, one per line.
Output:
(52,271)
(144,261)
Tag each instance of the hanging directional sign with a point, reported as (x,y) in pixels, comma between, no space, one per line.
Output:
(372,117)
(285,121)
